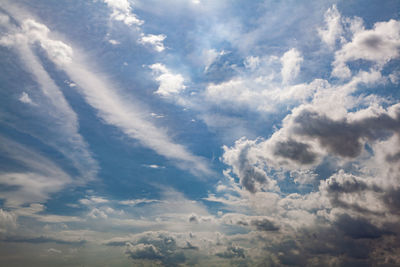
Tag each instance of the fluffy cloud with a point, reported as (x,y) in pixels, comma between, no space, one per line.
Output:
(155,41)
(378,45)
(170,83)
(333,29)
(264,85)
(291,61)
(122,11)
(160,247)
(24,98)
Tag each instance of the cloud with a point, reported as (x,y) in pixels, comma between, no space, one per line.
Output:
(295,151)
(155,41)
(114,42)
(343,137)
(209,57)
(122,11)
(378,45)
(53,250)
(246,167)
(57,123)
(160,246)
(264,86)
(291,61)
(232,252)
(8,222)
(24,98)
(153,166)
(333,29)
(93,200)
(42,239)
(134,202)
(170,83)
(40,178)
(102,95)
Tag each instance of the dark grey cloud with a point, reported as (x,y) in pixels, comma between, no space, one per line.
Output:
(193,219)
(391,198)
(345,184)
(264,225)
(358,228)
(341,137)
(373,41)
(393,158)
(295,151)
(249,174)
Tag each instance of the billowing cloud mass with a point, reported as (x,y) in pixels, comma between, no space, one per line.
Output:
(378,46)
(244,133)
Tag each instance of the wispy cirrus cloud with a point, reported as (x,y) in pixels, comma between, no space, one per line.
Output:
(103,96)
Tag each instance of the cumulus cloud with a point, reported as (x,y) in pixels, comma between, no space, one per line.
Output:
(24,98)
(291,61)
(159,247)
(170,83)
(245,165)
(378,45)
(155,41)
(114,42)
(265,85)
(333,29)
(122,11)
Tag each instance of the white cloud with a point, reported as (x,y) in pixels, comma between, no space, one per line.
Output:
(157,116)
(153,166)
(122,11)
(24,98)
(56,110)
(93,200)
(134,202)
(102,95)
(41,178)
(114,42)
(333,29)
(53,250)
(155,41)
(209,56)
(252,62)
(291,61)
(117,111)
(170,83)
(378,45)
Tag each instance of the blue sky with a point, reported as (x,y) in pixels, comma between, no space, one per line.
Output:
(195,132)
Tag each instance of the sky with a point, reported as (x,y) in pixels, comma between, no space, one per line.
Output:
(199,133)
